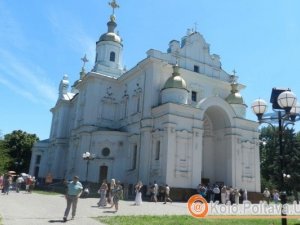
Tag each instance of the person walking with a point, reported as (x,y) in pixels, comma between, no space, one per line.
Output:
(19,182)
(118,194)
(276,196)
(216,193)
(103,190)
(7,183)
(223,194)
(155,191)
(138,193)
(237,195)
(73,192)
(111,192)
(267,195)
(167,194)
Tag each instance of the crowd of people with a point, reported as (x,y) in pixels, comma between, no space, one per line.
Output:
(268,196)
(12,181)
(110,193)
(222,193)
(114,191)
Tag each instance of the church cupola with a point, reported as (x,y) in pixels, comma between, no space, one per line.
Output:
(109,49)
(63,86)
(175,88)
(235,99)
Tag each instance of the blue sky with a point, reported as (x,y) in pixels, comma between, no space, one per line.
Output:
(40,41)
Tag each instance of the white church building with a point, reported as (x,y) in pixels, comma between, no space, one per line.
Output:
(176,117)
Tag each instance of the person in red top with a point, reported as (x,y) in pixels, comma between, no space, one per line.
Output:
(29,183)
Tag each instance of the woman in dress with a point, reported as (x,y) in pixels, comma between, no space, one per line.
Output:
(118,194)
(138,195)
(111,192)
(103,190)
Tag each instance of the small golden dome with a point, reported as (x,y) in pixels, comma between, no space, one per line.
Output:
(175,81)
(234,97)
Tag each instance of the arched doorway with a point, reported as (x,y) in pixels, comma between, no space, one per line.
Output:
(103,173)
(216,147)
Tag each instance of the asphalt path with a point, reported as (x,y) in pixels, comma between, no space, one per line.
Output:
(40,209)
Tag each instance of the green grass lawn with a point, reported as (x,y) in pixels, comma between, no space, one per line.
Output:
(187,220)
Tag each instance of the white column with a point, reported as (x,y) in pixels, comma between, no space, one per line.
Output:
(197,152)
(169,149)
(145,154)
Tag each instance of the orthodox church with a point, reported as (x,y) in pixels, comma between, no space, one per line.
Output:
(176,117)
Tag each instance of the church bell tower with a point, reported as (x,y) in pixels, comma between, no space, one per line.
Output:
(109,49)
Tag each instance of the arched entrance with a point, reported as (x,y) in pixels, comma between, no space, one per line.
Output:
(103,173)
(216,146)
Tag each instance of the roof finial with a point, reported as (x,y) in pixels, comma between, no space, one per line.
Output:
(114,5)
(234,72)
(84,60)
(233,77)
(196,24)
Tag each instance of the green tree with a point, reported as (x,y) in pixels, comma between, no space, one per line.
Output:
(271,171)
(4,158)
(291,160)
(18,145)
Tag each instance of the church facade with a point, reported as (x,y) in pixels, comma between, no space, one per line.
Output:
(176,117)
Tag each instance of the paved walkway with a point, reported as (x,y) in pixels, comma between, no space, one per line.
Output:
(39,209)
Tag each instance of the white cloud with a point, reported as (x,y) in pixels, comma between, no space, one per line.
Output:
(26,79)
(21,77)
(15,88)
(71,31)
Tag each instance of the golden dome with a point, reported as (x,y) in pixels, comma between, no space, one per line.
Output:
(175,81)
(234,97)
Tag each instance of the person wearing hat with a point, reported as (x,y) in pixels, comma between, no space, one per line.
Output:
(267,195)
(74,190)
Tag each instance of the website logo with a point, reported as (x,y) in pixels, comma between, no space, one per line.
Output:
(197,206)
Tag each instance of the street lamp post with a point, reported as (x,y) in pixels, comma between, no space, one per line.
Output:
(88,157)
(286,111)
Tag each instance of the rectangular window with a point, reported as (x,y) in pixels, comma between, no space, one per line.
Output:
(138,104)
(38,159)
(196,69)
(157,150)
(134,157)
(194,96)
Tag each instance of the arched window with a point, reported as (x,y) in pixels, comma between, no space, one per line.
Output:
(112,56)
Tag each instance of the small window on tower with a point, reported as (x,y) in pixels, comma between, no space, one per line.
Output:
(194,96)
(112,56)
(196,69)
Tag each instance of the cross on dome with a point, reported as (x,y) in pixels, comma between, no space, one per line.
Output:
(84,60)
(114,5)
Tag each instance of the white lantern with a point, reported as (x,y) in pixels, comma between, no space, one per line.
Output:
(287,100)
(259,107)
(295,109)
(87,154)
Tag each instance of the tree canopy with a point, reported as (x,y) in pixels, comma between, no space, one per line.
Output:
(16,151)
(272,172)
